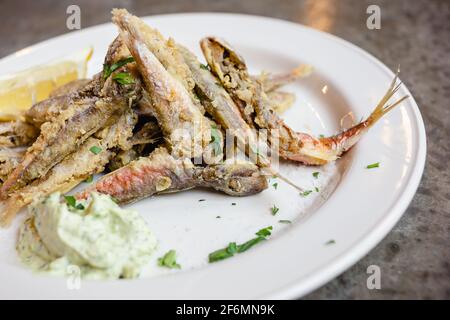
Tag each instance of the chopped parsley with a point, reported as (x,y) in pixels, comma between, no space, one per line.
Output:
(89,179)
(284,221)
(95,150)
(321,136)
(107,70)
(123,78)
(275,185)
(114,199)
(306,193)
(373,165)
(169,260)
(317,189)
(233,248)
(216,140)
(330,242)
(72,202)
(264,232)
(204,66)
(218,217)
(274,210)
(316,174)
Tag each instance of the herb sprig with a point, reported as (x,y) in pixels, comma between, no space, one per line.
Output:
(169,260)
(234,248)
(107,70)
(72,202)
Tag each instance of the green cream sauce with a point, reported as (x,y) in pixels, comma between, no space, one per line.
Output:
(103,240)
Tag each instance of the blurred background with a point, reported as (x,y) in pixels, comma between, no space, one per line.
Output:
(415,256)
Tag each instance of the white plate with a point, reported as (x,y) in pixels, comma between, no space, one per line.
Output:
(361,207)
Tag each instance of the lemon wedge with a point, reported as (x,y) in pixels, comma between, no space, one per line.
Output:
(19,91)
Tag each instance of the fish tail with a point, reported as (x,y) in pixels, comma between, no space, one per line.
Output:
(347,139)
(383,107)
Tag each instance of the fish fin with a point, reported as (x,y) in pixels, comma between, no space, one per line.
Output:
(383,107)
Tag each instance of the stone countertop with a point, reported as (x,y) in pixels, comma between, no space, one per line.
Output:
(415,257)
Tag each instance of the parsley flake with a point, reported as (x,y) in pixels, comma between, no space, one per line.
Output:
(72,202)
(373,165)
(169,260)
(233,248)
(107,70)
(123,78)
(274,210)
(305,193)
(95,150)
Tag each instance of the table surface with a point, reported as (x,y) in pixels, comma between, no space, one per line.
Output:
(415,257)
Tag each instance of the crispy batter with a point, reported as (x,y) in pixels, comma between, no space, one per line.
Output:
(187,132)
(63,136)
(88,111)
(50,108)
(9,159)
(70,87)
(280,101)
(17,133)
(74,169)
(162,173)
(271,82)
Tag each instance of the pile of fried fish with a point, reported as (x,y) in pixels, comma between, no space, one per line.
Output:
(147,118)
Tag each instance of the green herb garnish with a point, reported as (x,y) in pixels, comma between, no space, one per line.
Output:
(123,78)
(275,185)
(107,70)
(330,242)
(373,165)
(232,248)
(284,221)
(89,179)
(72,202)
(204,66)
(115,200)
(218,217)
(265,232)
(274,210)
(95,150)
(233,203)
(223,253)
(169,260)
(316,174)
(317,189)
(201,200)
(216,140)
(305,193)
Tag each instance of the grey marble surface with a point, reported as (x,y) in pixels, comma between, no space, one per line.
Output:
(415,257)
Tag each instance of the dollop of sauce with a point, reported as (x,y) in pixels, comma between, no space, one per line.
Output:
(103,240)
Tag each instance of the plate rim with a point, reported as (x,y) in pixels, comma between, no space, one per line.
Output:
(353,254)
